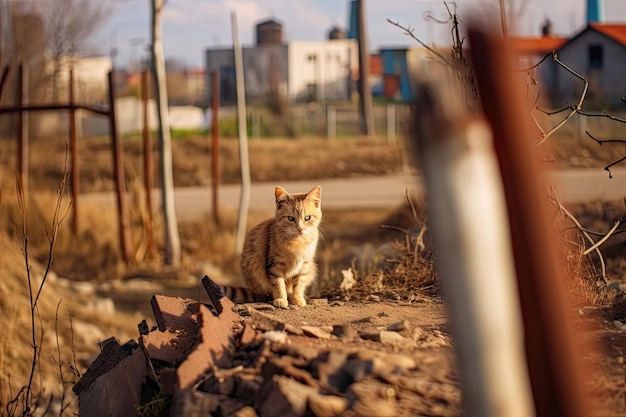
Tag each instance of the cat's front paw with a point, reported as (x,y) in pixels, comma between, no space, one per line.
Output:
(299,301)
(281,303)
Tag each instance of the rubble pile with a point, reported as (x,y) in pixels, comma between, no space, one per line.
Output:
(236,360)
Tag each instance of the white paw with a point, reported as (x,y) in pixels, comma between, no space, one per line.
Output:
(299,301)
(281,303)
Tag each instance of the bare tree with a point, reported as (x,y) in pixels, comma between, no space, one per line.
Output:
(69,24)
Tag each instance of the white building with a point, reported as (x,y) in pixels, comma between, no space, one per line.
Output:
(299,70)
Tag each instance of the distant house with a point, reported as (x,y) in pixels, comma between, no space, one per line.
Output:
(531,50)
(597,53)
(297,70)
(396,65)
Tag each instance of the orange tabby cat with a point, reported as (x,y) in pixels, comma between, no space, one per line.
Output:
(278,258)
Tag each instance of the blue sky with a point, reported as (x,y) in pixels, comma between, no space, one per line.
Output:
(191,26)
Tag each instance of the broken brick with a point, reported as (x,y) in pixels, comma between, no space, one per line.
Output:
(169,346)
(118,391)
(111,354)
(249,335)
(175,313)
(214,343)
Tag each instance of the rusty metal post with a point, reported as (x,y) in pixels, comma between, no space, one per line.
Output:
(147,161)
(215,144)
(118,176)
(474,258)
(74,155)
(3,78)
(22,138)
(553,355)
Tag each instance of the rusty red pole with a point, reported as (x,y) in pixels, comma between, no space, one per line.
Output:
(215,144)
(22,157)
(118,176)
(553,355)
(147,161)
(74,155)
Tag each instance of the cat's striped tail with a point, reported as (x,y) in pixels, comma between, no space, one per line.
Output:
(240,295)
(237,295)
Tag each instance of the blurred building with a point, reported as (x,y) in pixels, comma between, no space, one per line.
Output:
(597,53)
(297,70)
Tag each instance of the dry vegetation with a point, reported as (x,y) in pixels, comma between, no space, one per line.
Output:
(394,261)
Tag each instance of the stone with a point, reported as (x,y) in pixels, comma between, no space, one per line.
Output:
(265,322)
(281,396)
(315,332)
(326,405)
(394,339)
(398,326)
(345,332)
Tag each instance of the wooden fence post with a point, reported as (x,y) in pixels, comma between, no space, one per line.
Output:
(74,155)
(215,143)
(331,122)
(147,161)
(244,199)
(118,175)
(22,133)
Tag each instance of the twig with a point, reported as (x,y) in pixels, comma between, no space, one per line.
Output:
(538,63)
(57,218)
(604,238)
(573,219)
(573,111)
(409,31)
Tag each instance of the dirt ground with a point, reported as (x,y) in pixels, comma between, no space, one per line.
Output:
(388,294)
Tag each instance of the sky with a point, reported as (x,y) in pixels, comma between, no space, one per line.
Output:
(191,26)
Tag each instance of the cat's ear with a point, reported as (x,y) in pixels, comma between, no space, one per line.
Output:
(315,196)
(280,193)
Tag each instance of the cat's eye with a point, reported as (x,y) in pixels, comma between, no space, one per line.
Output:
(307,218)
(291,218)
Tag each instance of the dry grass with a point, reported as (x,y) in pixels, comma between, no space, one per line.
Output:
(56,340)
(271,160)
(395,261)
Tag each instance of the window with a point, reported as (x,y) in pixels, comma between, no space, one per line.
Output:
(596,57)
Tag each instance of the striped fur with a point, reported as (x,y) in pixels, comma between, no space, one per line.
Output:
(243,295)
(278,258)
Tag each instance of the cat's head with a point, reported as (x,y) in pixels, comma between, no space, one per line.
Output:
(298,214)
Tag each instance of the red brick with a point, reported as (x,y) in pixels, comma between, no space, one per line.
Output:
(170,347)
(215,341)
(175,313)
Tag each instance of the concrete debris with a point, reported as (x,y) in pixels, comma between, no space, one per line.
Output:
(116,392)
(246,363)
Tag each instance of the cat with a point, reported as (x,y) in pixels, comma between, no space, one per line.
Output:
(278,258)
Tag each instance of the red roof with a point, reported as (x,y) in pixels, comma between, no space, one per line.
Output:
(613,31)
(536,45)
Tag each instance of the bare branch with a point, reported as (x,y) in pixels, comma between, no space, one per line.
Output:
(408,31)
(573,219)
(604,238)
(578,107)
